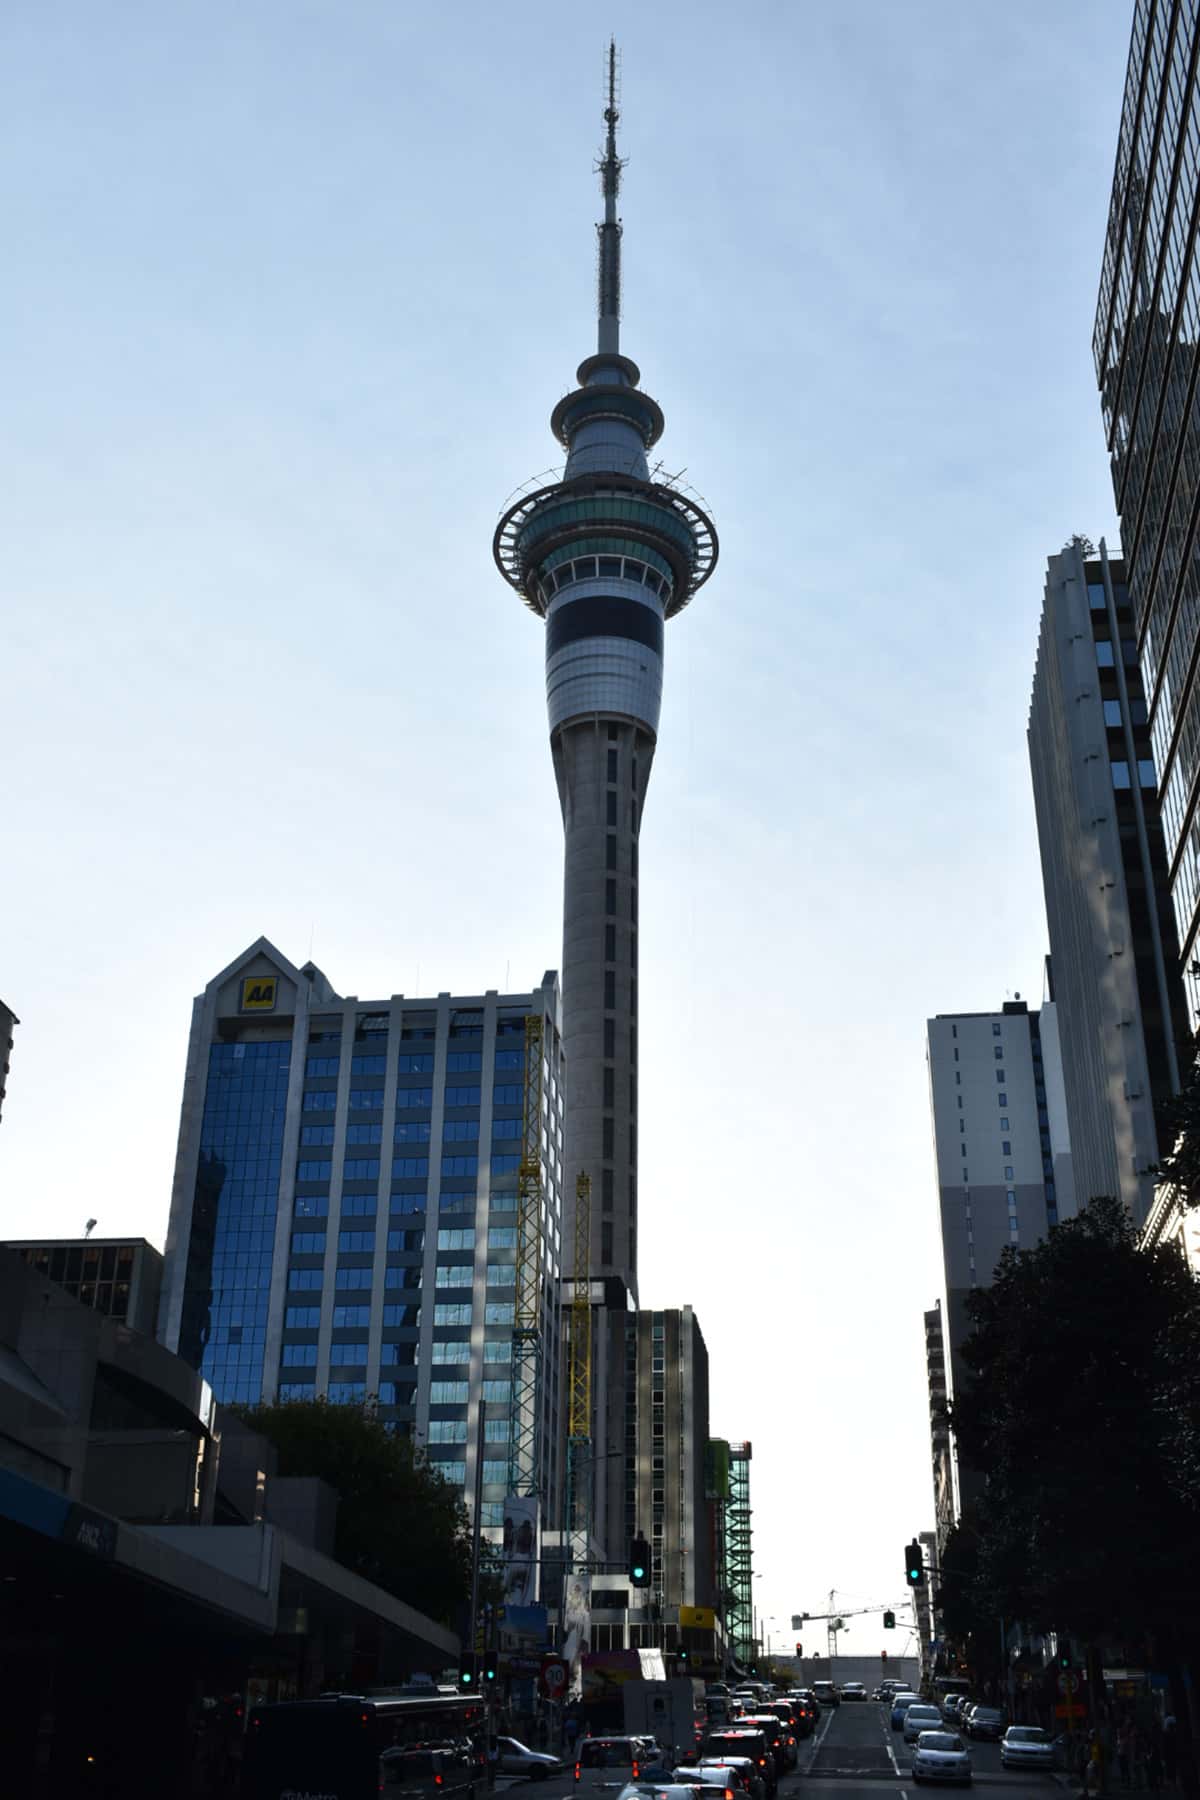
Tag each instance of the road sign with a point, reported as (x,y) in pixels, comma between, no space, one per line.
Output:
(1068,1682)
(554,1676)
(1069,1709)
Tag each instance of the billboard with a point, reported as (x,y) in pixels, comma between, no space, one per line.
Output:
(522,1522)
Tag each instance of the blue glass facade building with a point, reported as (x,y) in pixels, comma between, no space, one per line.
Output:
(344,1215)
(232,1243)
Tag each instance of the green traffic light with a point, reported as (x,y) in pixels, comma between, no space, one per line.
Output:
(639,1572)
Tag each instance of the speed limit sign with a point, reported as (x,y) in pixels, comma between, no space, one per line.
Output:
(554,1676)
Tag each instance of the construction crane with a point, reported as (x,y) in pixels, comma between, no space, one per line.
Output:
(579,1383)
(837,1620)
(523,1461)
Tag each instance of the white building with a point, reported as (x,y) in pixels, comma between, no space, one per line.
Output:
(1001,1142)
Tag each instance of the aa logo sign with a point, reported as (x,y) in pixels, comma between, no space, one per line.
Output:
(258,993)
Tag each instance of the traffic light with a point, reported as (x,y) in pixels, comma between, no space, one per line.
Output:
(883,1656)
(639,1563)
(466,1672)
(1064,1658)
(889,1621)
(489,1670)
(914,1565)
(799,1649)
(682,1653)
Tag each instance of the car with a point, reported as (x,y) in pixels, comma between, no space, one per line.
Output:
(1027,1747)
(795,1720)
(609,1762)
(921,1716)
(853,1690)
(516,1759)
(826,1693)
(737,1772)
(672,1790)
(900,1704)
(985,1722)
(952,1706)
(941,1756)
(411,1773)
(781,1738)
(740,1740)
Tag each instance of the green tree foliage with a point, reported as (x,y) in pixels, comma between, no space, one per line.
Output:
(399,1524)
(1179,1125)
(1082,1412)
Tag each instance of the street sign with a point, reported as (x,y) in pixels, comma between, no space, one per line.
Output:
(797,1621)
(1068,1682)
(554,1676)
(1069,1709)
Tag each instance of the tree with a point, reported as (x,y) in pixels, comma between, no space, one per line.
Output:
(399,1524)
(1082,1412)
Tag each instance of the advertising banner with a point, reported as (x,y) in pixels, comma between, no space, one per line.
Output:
(522,1521)
(605,1672)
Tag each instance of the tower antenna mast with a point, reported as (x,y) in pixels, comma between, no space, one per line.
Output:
(609,334)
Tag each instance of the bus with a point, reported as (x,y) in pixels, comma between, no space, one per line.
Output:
(356,1746)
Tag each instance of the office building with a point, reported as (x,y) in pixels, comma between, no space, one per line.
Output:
(1146,332)
(1114,954)
(344,1213)
(119,1277)
(605,556)
(1001,1143)
(8,1019)
(944,1509)
(666,1442)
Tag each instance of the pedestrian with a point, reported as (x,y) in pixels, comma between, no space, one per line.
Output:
(1170,1749)
(571,1732)
(493,1760)
(1154,1764)
(1125,1752)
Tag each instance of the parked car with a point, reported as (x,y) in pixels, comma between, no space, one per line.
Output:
(740,1740)
(921,1716)
(985,1722)
(853,1690)
(1027,1747)
(516,1759)
(941,1756)
(900,1705)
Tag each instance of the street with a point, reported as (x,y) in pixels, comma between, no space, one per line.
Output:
(855,1742)
(854,1745)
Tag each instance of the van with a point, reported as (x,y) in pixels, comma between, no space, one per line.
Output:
(603,1763)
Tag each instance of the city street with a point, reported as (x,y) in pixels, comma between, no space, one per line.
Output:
(854,1745)
(855,1742)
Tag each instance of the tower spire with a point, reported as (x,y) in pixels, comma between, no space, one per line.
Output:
(609,333)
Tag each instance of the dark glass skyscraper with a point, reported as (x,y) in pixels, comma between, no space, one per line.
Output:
(1146,336)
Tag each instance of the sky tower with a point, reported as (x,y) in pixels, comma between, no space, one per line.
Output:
(605,556)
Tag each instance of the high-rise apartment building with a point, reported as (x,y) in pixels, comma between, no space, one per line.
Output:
(344,1214)
(666,1444)
(1145,340)
(1001,1142)
(605,556)
(1114,954)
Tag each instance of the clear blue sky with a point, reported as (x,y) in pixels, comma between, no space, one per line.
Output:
(290,292)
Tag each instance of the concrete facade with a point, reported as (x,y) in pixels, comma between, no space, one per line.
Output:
(1001,1144)
(343,1216)
(666,1431)
(1114,952)
(120,1277)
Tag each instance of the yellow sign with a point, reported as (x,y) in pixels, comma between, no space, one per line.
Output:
(258,993)
(697,1618)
